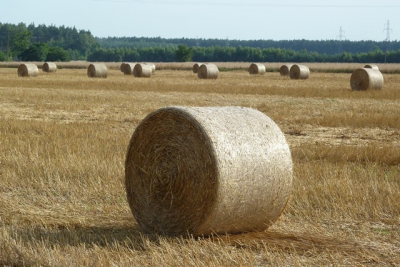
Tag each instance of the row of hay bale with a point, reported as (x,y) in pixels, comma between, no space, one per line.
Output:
(32,70)
(368,77)
(144,70)
(206,70)
(295,71)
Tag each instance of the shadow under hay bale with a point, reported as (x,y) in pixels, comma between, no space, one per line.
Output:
(196,67)
(49,67)
(299,72)
(28,70)
(366,78)
(97,70)
(284,70)
(257,68)
(142,70)
(208,71)
(204,170)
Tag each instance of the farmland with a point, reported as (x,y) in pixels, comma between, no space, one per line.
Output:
(64,138)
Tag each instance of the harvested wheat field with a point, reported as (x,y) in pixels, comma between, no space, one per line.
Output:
(64,140)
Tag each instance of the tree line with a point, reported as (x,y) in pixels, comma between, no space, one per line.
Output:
(50,43)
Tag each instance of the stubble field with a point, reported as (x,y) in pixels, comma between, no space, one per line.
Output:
(64,137)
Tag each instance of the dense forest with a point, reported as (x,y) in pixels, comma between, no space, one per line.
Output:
(50,43)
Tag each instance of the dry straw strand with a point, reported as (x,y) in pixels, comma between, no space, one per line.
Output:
(299,72)
(142,70)
(97,70)
(256,68)
(49,67)
(366,78)
(196,67)
(208,71)
(28,70)
(206,170)
(371,66)
(284,70)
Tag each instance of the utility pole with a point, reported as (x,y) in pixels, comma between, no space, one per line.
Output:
(227,41)
(341,36)
(388,30)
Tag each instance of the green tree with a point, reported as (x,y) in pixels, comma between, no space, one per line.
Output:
(57,54)
(3,56)
(183,53)
(36,52)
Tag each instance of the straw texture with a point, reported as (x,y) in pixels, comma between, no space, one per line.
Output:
(196,67)
(371,66)
(28,70)
(205,170)
(153,67)
(142,70)
(299,72)
(208,71)
(366,78)
(49,67)
(257,68)
(122,67)
(284,70)
(97,70)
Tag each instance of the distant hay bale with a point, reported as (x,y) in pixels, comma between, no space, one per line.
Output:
(128,68)
(122,67)
(366,78)
(28,70)
(205,170)
(49,67)
(371,66)
(152,65)
(142,70)
(257,68)
(299,72)
(208,71)
(97,70)
(285,69)
(196,67)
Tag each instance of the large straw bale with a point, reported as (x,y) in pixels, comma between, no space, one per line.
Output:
(257,68)
(28,70)
(366,78)
(208,71)
(49,67)
(122,67)
(128,68)
(97,70)
(196,67)
(205,170)
(284,70)
(371,66)
(299,72)
(142,70)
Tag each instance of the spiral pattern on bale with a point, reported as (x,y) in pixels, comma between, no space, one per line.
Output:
(204,170)
(49,67)
(142,70)
(97,70)
(196,67)
(284,70)
(208,71)
(366,78)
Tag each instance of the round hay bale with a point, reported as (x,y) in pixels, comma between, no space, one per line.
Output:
(208,71)
(128,68)
(285,69)
(97,70)
(153,67)
(122,67)
(257,68)
(366,78)
(205,170)
(28,70)
(371,66)
(142,70)
(196,67)
(299,72)
(49,67)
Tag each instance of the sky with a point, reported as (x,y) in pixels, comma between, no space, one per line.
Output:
(221,19)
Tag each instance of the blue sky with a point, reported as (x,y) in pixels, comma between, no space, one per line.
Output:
(222,19)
